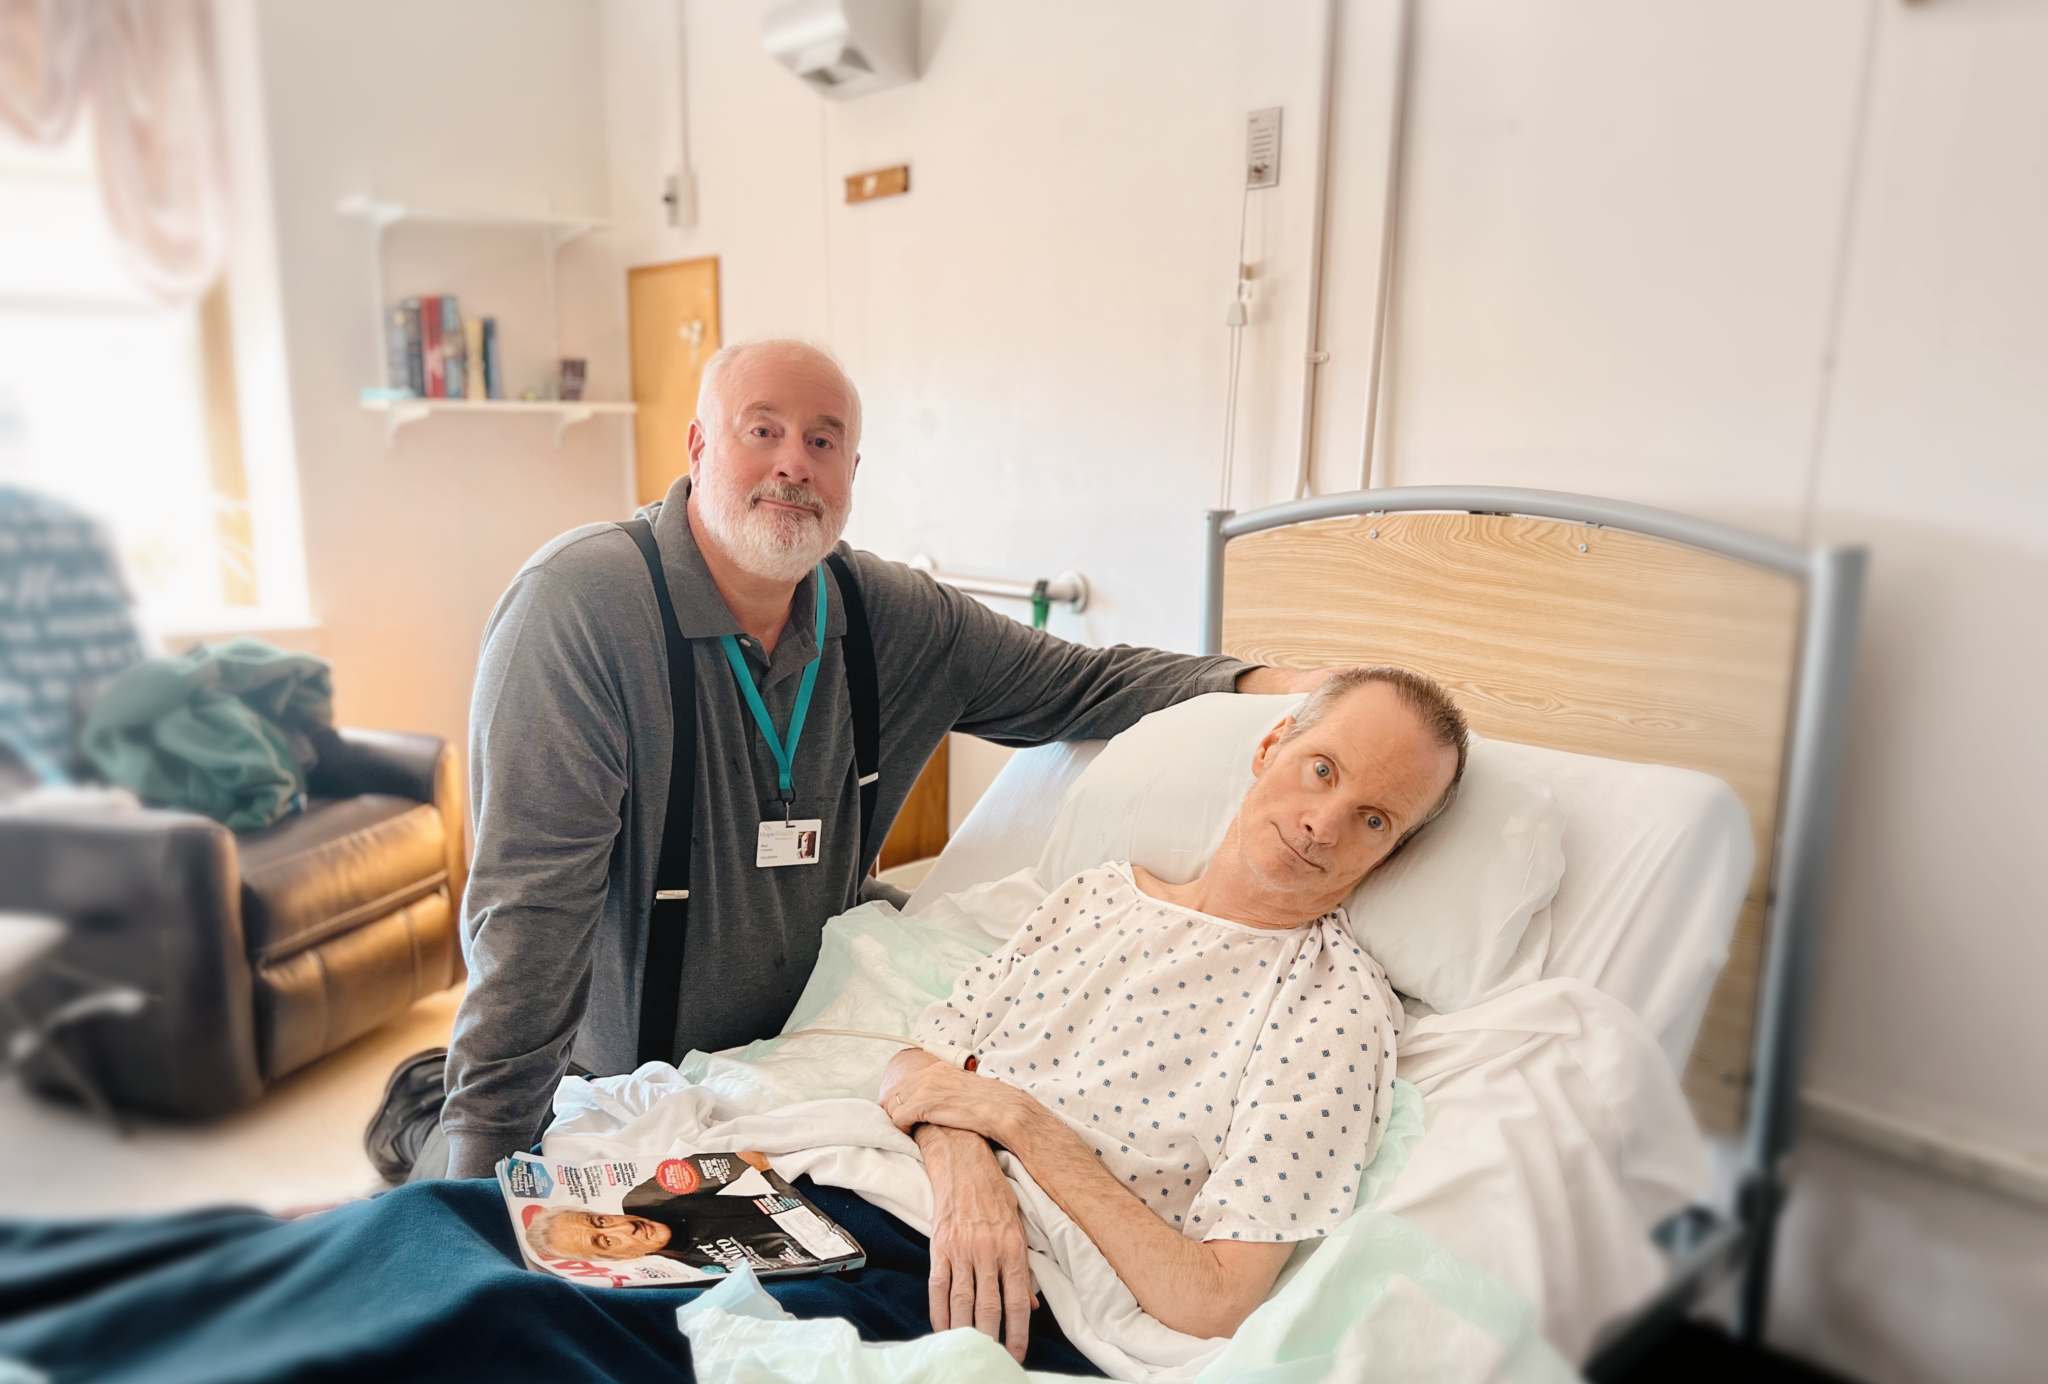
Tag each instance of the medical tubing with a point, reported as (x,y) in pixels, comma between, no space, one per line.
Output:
(1234,320)
(951,1056)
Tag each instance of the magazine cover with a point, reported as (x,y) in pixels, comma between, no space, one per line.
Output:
(668,1222)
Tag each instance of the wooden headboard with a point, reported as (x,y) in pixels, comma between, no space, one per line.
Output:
(1581,637)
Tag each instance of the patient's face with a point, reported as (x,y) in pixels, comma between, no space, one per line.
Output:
(1329,805)
(596,1235)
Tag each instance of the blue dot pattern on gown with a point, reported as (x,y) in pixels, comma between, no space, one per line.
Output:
(1236,1079)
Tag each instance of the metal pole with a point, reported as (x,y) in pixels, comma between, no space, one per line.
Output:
(1313,355)
(1068,588)
(1212,582)
(1793,559)
(1834,602)
(1390,230)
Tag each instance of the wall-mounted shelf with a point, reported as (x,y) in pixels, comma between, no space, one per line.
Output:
(381,214)
(567,413)
(555,231)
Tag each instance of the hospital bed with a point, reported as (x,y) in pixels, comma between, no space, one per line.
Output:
(1602,629)
(1610,635)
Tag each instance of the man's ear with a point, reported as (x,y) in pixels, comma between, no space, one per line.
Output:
(856,467)
(1262,757)
(695,446)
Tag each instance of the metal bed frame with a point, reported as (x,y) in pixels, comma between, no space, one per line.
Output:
(1704,1248)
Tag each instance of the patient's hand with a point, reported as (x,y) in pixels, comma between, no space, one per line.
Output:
(979,1274)
(1205,1289)
(920,1089)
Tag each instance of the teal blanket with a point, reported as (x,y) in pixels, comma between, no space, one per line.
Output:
(221,731)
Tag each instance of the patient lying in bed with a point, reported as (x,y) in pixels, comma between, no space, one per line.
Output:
(1196,1073)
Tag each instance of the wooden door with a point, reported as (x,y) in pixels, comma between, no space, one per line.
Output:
(920,830)
(672,313)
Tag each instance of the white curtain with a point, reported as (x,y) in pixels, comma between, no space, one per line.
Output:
(145,68)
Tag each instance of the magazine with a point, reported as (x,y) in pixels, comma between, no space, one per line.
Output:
(668,1222)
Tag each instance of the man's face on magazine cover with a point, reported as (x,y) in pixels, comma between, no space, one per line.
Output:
(601,1235)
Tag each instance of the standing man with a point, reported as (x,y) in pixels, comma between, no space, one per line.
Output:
(572,748)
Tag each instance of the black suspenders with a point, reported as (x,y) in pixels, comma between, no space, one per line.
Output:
(863,692)
(671,913)
(661,979)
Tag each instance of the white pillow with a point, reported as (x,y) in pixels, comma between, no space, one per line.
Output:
(1657,861)
(1446,917)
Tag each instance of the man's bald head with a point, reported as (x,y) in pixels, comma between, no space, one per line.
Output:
(722,378)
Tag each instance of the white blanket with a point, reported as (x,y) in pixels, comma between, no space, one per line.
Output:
(1557,1138)
(850,1143)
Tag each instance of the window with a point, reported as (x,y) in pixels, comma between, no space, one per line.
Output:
(127,407)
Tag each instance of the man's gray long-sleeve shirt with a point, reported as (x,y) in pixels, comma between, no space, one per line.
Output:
(570,744)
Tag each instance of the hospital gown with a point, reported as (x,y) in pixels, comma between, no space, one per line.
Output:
(1236,1079)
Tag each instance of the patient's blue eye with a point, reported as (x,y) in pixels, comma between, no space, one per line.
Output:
(1322,770)
(1375,821)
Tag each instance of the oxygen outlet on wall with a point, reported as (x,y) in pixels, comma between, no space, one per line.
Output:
(1262,149)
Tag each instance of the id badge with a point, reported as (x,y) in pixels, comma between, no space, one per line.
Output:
(788,843)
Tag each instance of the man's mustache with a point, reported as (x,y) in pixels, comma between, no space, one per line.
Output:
(788,495)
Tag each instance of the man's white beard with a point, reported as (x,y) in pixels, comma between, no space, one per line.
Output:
(770,543)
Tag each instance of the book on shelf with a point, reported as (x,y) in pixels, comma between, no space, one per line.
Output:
(405,366)
(494,368)
(473,363)
(432,350)
(454,356)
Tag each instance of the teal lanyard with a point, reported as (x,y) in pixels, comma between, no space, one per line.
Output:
(785,755)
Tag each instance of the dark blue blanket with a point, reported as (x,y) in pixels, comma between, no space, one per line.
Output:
(422,1283)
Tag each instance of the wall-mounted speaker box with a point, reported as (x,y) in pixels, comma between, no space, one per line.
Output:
(845,48)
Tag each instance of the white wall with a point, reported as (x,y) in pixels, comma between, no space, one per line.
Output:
(1061,269)
(477,105)
(1616,248)
(1936,431)
(1679,254)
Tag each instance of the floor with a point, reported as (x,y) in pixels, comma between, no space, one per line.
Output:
(301,1144)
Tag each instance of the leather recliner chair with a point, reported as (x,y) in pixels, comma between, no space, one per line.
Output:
(262,950)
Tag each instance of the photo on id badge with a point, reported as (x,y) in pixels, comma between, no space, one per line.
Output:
(788,843)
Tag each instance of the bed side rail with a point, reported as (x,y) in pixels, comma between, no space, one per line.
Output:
(1704,1250)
